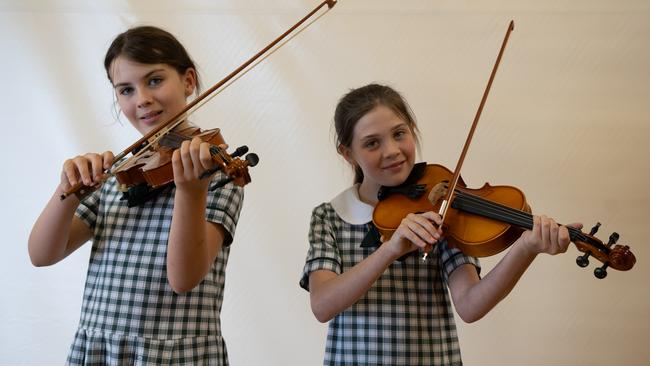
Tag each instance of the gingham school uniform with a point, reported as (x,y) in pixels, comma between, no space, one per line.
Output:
(130,315)
(405,318)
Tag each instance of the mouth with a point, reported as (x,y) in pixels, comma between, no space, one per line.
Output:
(395,166)
(150,117)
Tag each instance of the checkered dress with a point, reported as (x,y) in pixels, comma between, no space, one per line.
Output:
(130,315)
(405,318)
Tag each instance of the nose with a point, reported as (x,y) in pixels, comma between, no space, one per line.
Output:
(391,149)
(144,98)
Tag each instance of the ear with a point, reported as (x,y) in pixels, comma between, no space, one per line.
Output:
(189,80)
(346,152)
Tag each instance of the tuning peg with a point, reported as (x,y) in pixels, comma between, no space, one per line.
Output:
(583,260)
(612,239)
(239,151)
(252,159)
(601,272)
(594,229)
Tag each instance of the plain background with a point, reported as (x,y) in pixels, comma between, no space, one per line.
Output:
(567,121)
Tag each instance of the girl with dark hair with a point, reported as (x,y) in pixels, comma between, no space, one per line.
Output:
(156,274)
(385,305)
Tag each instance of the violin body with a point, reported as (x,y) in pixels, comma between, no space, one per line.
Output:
(154,166)
(474,235)
(485,221)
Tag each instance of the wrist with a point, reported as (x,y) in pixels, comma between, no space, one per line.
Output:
(526,250)
(388,252)
(193,191)
(70,199)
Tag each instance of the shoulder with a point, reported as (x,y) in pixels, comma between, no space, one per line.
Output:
(349,207)
(223,194)
(323,213)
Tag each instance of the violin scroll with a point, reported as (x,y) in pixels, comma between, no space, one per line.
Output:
(235,168)
(618,257)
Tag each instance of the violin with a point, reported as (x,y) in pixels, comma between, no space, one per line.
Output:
(154,168)
(483,222)
(150,163)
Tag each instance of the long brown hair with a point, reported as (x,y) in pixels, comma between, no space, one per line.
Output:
(356,103)
(150,45)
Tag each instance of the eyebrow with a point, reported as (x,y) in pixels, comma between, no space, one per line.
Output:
(401,125)
(144,77)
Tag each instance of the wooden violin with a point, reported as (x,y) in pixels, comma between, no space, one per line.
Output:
(154,167)
(483,222)
(151,163)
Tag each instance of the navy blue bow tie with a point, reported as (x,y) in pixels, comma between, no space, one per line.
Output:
(373,240)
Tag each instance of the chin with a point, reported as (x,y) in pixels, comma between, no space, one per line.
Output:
(146,128)
(394,181)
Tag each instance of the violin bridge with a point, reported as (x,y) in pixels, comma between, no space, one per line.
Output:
(437,192)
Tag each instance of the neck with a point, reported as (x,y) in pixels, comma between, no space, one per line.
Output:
(368,192)
(183,126)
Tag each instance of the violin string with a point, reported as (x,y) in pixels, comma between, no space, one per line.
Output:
(174,141)
(494,210)
(477,205)
(216,150)
(509,215)
(524,217)
(480,202)
(137,154)
(499,211)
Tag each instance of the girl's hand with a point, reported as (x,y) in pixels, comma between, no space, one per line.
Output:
(87,169)
(416,231)
(547,236)
(189,162)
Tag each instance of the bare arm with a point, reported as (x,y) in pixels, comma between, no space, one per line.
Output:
(330,294)
(473,298)
(57,232)
(194,243)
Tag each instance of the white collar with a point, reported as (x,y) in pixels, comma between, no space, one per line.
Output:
(350,208)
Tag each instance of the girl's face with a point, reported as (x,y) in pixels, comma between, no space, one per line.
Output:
(149,94)
(383,146)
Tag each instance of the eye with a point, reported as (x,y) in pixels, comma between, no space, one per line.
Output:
(125,91)
(400,134)
(156,80)
(371,144)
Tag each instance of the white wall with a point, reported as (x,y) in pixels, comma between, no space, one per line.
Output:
(567,121)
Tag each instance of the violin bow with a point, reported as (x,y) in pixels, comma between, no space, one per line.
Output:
(164,128)
(454,181)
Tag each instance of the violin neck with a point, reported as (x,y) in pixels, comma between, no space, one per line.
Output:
(480,206)
(174,141)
